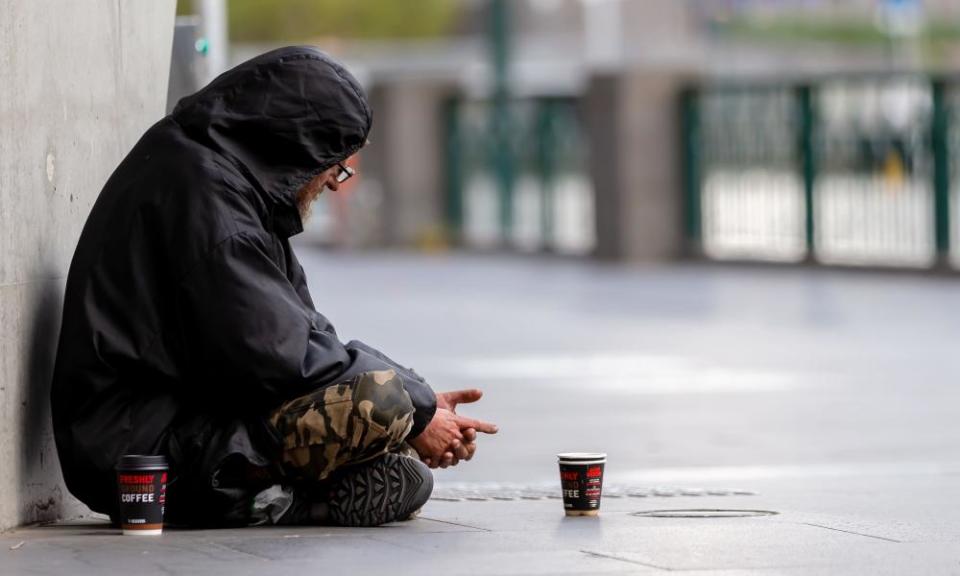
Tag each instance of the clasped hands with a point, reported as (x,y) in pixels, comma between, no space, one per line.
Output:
(450,437)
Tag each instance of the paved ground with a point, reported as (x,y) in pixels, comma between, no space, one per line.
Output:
(828,398)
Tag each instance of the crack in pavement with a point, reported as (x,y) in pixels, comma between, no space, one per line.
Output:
(456,524)
(622,559)
(854,533)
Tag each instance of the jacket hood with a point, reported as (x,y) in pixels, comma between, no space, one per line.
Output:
(281,118)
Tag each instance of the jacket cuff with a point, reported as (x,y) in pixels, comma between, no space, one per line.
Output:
(424,404)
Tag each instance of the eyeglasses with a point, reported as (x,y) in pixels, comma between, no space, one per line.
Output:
(345,172)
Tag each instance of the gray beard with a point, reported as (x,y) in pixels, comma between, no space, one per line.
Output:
(306,211)
(305,202)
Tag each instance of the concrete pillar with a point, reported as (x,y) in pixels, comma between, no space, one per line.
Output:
(213,22)
(633,124)
(79,83)
(406,158)
(187,66)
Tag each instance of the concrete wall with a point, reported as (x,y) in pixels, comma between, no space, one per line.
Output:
(79,83)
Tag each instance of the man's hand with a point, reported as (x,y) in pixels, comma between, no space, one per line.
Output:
(465,448)
(457,451)
(441,432)
(450,400)
(450,437)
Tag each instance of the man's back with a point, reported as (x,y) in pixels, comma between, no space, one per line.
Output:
(122,357)
(186,315)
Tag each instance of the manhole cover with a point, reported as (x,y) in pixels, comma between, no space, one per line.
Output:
(704,513)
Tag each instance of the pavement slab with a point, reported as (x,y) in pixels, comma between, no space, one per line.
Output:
(526,537)
(826,398)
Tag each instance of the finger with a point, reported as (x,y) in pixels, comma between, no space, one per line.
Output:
(469,435)
(461,451)
(471,449)
(447,460)
(463,396)
(478,425)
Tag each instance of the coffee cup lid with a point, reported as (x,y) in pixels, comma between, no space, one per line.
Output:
(579,456)
(142,462)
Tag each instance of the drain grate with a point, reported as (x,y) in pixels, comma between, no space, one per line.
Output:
(704,513)
(515,492)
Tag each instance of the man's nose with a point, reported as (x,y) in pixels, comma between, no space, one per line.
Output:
(332,184)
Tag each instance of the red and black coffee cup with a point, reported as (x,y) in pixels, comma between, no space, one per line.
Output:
(142,487)
(581,478)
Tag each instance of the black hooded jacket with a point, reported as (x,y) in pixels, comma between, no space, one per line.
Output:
(187,316)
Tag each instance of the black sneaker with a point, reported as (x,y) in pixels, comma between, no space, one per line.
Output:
(390,488)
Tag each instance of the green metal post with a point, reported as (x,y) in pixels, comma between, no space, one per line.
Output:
(808,160)
(454,170)
(940,132)
(690,126)
(500,120)
(546,139)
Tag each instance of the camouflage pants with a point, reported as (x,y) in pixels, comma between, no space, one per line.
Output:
(344,424)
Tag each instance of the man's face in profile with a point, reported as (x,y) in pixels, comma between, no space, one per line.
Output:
(314,188)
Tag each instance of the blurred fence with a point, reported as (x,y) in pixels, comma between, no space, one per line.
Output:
(856,171)
(547,204)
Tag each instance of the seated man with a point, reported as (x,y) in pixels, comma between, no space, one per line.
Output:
(188,329)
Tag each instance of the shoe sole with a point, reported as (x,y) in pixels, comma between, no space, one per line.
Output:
(388,489)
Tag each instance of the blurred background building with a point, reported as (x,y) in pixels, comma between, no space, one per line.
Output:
(733,129)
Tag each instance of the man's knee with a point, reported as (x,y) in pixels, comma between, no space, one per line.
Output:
(343,424)
(381,402)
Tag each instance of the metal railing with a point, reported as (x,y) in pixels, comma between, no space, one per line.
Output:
(856,171)
(537,196)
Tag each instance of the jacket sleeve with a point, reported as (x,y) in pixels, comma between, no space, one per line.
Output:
(251,340)
(423,398)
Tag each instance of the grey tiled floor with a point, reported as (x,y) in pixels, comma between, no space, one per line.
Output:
(886,525)
(829,398)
